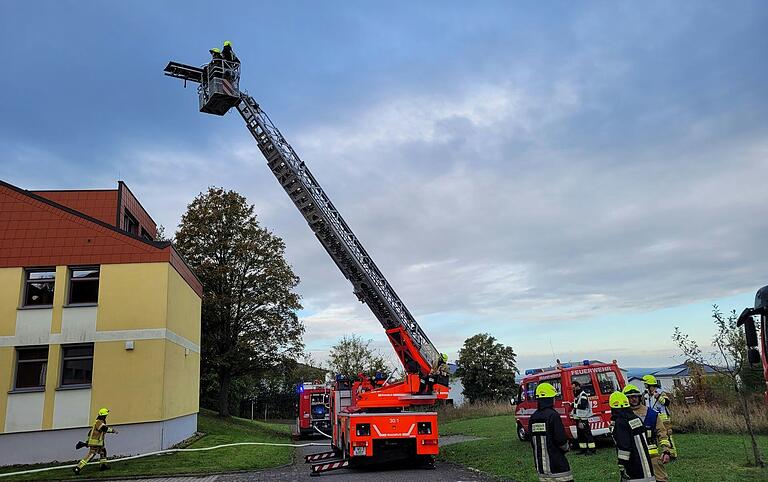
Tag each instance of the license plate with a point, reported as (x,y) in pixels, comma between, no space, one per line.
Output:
(359,450)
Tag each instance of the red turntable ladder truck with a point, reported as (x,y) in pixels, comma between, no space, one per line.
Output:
(373,420)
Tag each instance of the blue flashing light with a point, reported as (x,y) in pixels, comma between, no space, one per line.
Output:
(566,365)
(300,388)
(585,363)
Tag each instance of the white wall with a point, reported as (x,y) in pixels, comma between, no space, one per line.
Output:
(71,408)
(24,411)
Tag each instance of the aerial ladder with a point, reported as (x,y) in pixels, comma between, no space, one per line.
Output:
(755,355)
(373,420)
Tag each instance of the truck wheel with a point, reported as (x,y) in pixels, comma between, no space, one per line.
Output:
(521,433)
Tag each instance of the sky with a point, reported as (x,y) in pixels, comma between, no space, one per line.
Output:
(574,178)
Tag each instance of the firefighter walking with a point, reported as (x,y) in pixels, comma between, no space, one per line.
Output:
(95,442)
(582,412)
(656,399)
(631,445)
(655,433)
(548,438)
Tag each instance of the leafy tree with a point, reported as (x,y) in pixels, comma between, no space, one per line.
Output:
(351,355)
(729,360)
(487,369)
(249,322)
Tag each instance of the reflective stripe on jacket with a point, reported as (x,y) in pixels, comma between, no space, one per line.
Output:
(549,444)
(632,446)
(96,435)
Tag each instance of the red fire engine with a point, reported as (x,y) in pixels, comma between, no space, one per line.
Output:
(598,379)
(314,409)
(372,420)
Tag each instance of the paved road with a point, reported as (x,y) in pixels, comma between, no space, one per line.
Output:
(299,471)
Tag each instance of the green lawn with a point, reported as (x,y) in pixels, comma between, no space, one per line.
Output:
(217,432)
(703,457)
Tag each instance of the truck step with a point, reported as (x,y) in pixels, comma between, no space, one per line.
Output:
(321,456)
(317,469)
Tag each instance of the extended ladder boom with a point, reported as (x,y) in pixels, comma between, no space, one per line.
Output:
(414,349)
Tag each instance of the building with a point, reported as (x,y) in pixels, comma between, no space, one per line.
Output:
(93,313)
(677,376)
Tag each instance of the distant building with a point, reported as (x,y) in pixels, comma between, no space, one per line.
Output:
(674,377)
(93,313)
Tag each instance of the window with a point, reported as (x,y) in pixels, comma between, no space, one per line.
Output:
(555,382)
(31,366)
(38,287)
(130,223)
(607,382)
(530,391)
(83,285)
(586,383)
(145,234)
(77,365)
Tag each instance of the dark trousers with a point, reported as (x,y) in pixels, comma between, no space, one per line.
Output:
(584,435)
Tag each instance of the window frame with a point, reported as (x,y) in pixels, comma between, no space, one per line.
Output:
(28,282)
(19,361)
(71,280)
(128,220)
(575,378)
(64,359)
(616,379)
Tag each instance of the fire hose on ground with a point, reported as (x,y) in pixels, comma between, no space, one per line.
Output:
(170,451)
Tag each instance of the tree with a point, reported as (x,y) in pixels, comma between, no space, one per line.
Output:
(487,369)
(249,321)
(351,355)
(729,360)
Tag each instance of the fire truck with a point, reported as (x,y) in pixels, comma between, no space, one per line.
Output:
(372,420)
(598,379)
(747,319)
(314,409)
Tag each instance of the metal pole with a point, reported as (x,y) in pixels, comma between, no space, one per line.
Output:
(251,410)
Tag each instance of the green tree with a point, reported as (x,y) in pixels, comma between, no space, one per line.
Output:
(487,369)
(351,355)
(249,322)
(729,360)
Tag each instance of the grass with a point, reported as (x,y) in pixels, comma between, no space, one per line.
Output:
(703,457)
(476,410)
(217,432)
(718,419)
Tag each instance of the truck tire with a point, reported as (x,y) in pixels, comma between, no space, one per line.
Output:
(521,433)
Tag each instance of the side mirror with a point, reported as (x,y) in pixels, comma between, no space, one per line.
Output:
(750,332)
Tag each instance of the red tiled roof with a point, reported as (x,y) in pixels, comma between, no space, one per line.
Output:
(35,231)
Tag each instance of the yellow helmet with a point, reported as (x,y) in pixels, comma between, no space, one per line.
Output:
(227,43)
(631,390)
(618,400)
(215,50)
(103,412)
(545,390)
(650,380)
(444,357)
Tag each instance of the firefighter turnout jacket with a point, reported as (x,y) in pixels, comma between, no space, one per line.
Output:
(96,435)
(631,447)
(549,444)
(658,401)
(582,407)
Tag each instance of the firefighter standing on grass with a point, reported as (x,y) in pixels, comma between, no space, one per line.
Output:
(548,438)
(631,446)
(582,412)
(658,400)
(655,433)
(95,442)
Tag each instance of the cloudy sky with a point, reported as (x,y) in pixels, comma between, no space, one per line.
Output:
(575,178)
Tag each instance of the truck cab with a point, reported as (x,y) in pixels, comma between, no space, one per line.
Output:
(314,409)
(598,379)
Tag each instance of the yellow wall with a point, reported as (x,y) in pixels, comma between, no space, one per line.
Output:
(6,379)
(10,299)
(182,381)
(183,307)
(51,382)
(132,296)
(129,382)
(59,297)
